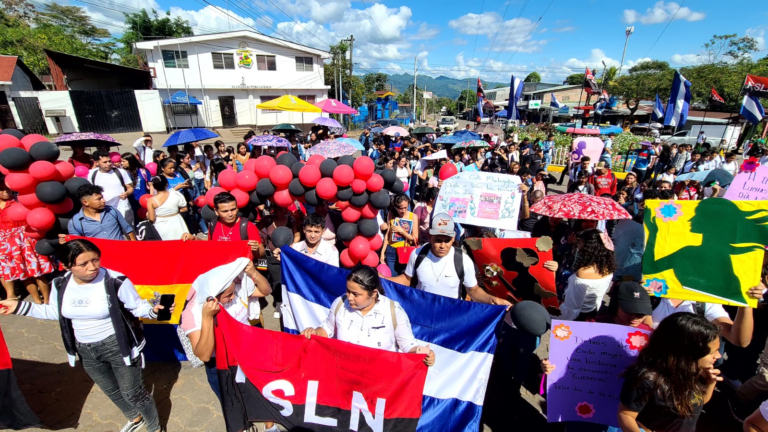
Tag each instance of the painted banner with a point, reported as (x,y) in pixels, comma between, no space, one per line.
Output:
(315,384)
(706,251)
(482,199)
(586,146)
(588,359)
(514,267)
(749,186)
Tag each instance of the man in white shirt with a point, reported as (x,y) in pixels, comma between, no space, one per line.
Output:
(117,184)
(314,245)
(701,138)
(437,270)
(143,148)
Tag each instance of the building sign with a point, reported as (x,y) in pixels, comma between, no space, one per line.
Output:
(245,59)
(427,95)
(245,86)
(534,104)
(56,113)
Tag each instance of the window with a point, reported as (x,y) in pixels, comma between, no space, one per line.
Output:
(308,99)
(304,64)
(175,59)
(223,60)
(266,62)
(267,99)
(566,98)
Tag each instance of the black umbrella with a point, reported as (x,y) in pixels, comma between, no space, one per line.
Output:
(286,128)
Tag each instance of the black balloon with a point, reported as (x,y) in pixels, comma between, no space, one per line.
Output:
(265,188)
(51,192)
(282,236)
(312,199)
(74,183)
(398,187)
(287,159)
(44,247)
(348,160)
(15,158)
(379,200)
(530,317)
(347,231)
(367,227)
(295,168)
(389,177)
(249,212)
(256,199)
(44,151)
(14,132)
(344,194)
(208,214)
(296,188)
(327,166)
(359,200)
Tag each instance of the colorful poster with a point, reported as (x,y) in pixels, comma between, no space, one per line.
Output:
(405,224)
(586,146)
(513,269)
(749,186)
(244,58)
(589,358)
(482,199)
(707,251)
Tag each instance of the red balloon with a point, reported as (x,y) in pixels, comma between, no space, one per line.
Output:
(41,219)
(358,186)
(32,139)
(369,212)
(343,175)
(200,201)
(281,176)
(241,197)
(32,234)
(65,206)
(283,198)
(246,180)
(43,171)
(29,200)
(211,194)
(264,165)
(17,213)
(375,241)
(372,260)
(3,171)
(309,175)
(143,200)
(375,183)
(363,167)
(141,213)
(326,188)
(341,205)
(228,179)
(359,247)
(447,171)
(250,165)
(20,182)
(351,214)
(8,141)
(315,160)
(66,170)
(346,260)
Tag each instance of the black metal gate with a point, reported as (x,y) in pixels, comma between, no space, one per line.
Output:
(106,111)
(6,116)
(30,115)
(228,114)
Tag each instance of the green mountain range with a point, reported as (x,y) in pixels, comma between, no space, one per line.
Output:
(441,86)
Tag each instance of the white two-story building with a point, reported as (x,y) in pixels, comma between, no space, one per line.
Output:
(231,73)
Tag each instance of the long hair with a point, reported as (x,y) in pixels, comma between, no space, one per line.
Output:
(670,361)
(593,253)
(748,227)
(133,165)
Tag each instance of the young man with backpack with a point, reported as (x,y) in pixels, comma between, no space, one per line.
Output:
(116,182)
(439,268)
(228,226)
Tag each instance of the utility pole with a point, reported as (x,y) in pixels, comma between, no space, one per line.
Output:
(426,105)
(466,103)
(341,84)
(335,81)
(351,51)
(628,32)
(415,71)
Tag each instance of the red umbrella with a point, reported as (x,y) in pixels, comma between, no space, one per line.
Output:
(580,206)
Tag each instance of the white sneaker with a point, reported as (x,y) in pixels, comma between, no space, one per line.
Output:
(132,426)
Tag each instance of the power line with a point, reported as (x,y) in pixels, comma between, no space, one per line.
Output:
(479,20)
(501,23)
(517,20)
(665,28)
(374,21)
(294,20)
(529,33)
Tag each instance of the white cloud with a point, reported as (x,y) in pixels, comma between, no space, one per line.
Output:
(662,12)
(513,35)
(319,11)
(758,34)
(596,59)
(425,32)
(686,59)
(564,29)
(211,18)
(459,41)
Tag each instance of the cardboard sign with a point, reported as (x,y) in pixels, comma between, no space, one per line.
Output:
(586,146)
(588,359)
(706,251)
(482,199)
(749,186)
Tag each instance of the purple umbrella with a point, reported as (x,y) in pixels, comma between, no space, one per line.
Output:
(326,121)
(86,139)
(332,149)
(268,141)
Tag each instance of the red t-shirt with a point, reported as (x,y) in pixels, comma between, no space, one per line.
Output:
(604,184)
(232,233)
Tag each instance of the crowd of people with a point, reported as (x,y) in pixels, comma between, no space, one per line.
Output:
(664,390)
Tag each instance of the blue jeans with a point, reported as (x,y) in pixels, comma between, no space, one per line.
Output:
(412,188)
(213,377)
(547,160)
(605,157)
(123,384)
(390,258)
(200,186)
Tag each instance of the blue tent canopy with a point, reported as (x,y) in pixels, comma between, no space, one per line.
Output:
(467,135)
(181,98)
(502,114)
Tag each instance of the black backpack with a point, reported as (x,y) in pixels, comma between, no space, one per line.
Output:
(243,228)
(458,263)
(114,171)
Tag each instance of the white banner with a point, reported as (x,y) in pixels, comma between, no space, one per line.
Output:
(427,95)
(482,199)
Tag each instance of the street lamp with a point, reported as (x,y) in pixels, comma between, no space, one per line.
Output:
(628,32)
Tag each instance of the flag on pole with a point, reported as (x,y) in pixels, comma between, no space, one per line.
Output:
(658,110)
(752,110)
(515,92)
(480,97)
(590,85)
(715,99)
(555,103)
(679,99)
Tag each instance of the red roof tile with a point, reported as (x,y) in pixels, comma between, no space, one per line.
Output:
(7,65)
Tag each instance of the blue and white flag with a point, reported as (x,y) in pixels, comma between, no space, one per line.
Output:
(555,103)
(679,98)
(658,110)
(752,110)
(461,334)
(515,93)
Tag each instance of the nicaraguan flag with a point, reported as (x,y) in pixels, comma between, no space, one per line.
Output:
(461,334)
(679,98)
(515,92)
(555,103)
(752,110)
(658,110)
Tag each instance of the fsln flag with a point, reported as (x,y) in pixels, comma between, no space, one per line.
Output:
(480,98)
(455,386)
(715,98)
(658,110)
(554,102)
(317,384)
(752,110)
(679,99)
(590,85)
(515,92)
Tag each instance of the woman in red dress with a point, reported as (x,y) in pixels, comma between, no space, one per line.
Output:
(18,259)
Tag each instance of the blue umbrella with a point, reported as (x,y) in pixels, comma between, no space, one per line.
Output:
(377,129)
(352,141)
(501,114)
(449,139)
(182,98)
(189,135)
(466,135)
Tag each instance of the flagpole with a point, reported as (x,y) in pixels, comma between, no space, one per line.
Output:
(705,117)
(582,111)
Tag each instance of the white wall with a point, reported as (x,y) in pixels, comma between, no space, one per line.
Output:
(151,111)
(50,100)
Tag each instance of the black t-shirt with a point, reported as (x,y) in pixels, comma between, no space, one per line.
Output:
(653,413)
(533,161)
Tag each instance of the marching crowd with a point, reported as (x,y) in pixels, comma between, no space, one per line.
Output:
(597,281)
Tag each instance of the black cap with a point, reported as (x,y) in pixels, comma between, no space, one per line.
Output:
(530,317)
(634,299)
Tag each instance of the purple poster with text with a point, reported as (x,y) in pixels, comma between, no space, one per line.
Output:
(588,359)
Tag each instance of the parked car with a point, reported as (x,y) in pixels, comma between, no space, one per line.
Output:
(448,123)
(682,137)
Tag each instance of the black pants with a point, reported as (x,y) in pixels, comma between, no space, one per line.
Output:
(275,279)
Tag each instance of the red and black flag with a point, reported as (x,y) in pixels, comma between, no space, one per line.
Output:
(317,384)
(480,97)
(590,85)
(14,412)
(715,99)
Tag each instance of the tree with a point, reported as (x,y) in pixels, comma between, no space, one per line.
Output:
(575,79)
(643,82)
(141,25)
(726,78)
(72,18)
(19,9)
(609,76)
(499,86)
(375,82)
(722,48)
(467,99)
(533,77)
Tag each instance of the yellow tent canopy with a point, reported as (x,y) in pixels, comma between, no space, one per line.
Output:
(289,103)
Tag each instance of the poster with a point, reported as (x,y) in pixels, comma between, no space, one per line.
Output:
(749,186)
(586,146)
(706,251)
(514,267)
(588,359)
(405,224)
(482,199)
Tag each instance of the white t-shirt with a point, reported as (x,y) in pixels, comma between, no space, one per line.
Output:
(112,187)
(731,167)
(199,158)
(402,174)
(438,275)
(145,153)
(712,311)
(326,252)
(667,177)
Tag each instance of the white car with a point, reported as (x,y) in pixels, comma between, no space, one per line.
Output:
(682,137)
(448,122)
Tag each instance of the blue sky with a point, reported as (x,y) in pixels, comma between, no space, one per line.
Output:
(488,38)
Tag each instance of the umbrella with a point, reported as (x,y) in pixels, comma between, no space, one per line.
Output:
(580,206)
(268,141)
(490,130)
(693,176)
(352,141)
(338,131)
(286,128)
(467,135)
(333,106)
(721,176)
(448,139)
(502,114)
(288,103)
(377,130)
(188,136)
(423,130)
(326,121)
(181,98)
(468,144)
(395,131)
(332,149)
(86,139)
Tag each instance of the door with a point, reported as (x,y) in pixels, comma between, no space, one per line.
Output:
(228,114)
(6,116)
(106,111)
(30,115)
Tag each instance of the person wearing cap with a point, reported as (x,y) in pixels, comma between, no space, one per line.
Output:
(434,267)
(603,180)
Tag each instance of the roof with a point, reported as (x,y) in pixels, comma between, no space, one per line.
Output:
(65,63)
(150,45)
(553,89)
(8,65)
